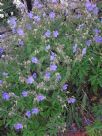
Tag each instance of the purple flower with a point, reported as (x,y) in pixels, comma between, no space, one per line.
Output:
(12,22)
(18,126)
(89,6)
(34,60)
(54,1)
(52,56)
(37,18)
(98,39)
(58,77)
(34,75)
(2,36)
(95,11)
(14,31)
(47,33)
(30,80)
(52,15)
(74,48)
(87,121)
(28,114)
(88,42)
(65,86)
(53,67)
(71,100)
(6,96)
(20,31)
(47,75)
(28,26)
(55,33)
(1,51)
(84,51)
(1,82)
(35,111)
(21,42)
(30,15)
(37,4)
(24,93)
(96,31)
(40,97)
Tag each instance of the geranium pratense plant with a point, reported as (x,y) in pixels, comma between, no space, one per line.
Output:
(49,80)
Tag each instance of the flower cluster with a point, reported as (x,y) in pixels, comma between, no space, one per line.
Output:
(91,7)
(34,111)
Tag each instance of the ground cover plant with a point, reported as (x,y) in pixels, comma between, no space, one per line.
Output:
(55,75)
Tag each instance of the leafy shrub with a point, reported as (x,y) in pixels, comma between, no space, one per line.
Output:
(55,70)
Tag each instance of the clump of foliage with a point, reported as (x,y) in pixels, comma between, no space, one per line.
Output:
(57,69)
(95,129)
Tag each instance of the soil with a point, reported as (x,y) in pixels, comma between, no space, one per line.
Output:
(77,133)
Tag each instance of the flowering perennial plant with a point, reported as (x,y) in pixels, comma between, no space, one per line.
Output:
(53,73)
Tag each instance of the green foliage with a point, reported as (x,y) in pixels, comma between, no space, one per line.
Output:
(82,72)
(95,129)
(97,110)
